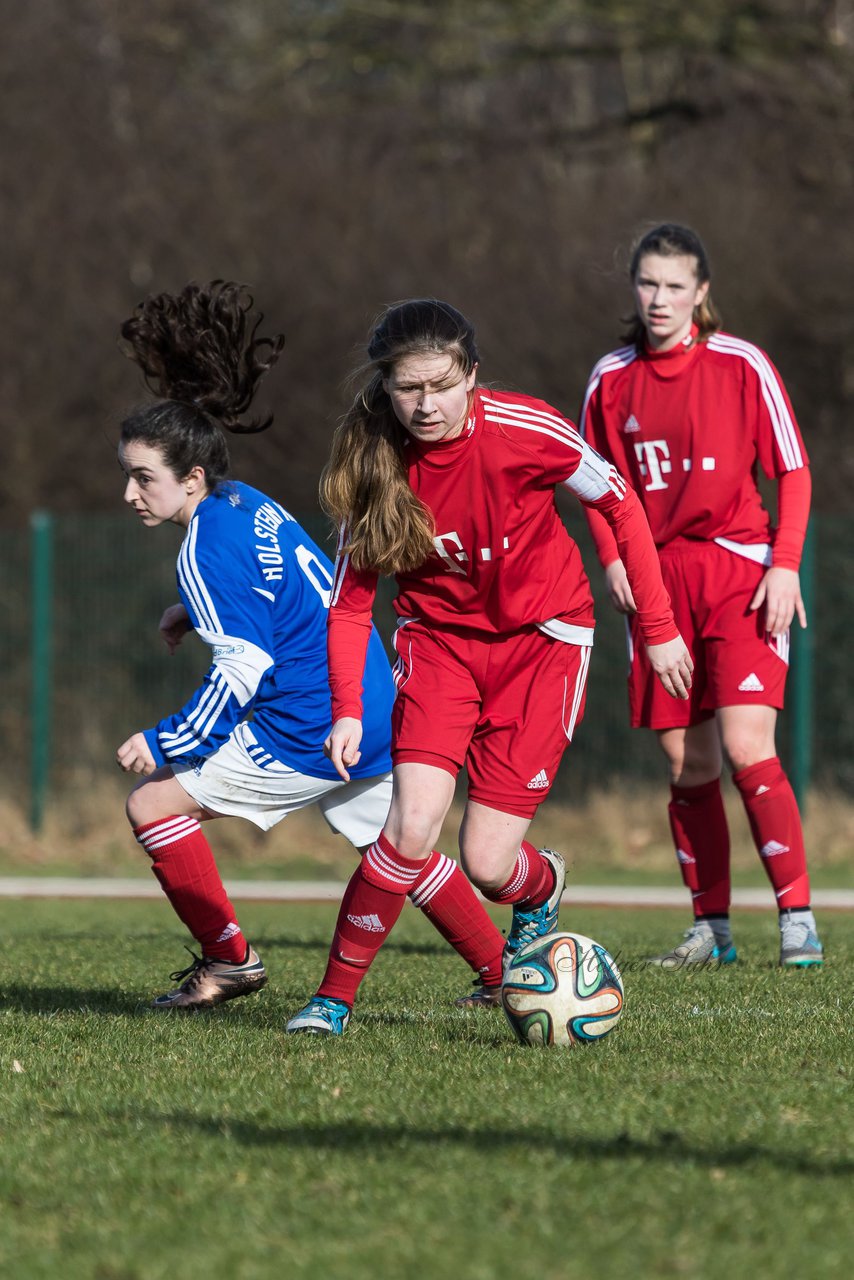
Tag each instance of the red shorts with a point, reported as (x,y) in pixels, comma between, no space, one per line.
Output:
(736,661)
(505,707)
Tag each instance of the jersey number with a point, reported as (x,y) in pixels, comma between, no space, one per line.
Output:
(315,570)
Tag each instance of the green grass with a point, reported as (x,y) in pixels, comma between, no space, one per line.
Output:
(709,1135)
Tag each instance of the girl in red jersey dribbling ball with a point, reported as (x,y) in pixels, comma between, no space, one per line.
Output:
(688,414)
(450,487)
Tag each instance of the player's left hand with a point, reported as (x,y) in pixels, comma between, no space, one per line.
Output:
(174,624)
(780,592)
(134,756)
(673,664)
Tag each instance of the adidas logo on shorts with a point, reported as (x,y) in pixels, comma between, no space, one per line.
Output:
(684,858)
(772,848)
(752,684)
(372,923)
(539,781)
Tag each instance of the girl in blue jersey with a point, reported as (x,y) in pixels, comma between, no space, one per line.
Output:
(256,589)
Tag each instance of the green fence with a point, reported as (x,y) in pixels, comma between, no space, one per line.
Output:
(84,665)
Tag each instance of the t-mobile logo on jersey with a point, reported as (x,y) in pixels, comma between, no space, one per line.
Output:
(453,555)
(450,547)
(654,461)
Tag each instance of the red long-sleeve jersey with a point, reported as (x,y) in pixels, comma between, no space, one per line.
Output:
(690,427)
(503,559)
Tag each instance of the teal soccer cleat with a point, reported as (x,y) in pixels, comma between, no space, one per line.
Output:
(537,921)
(699,947)
(322,1016)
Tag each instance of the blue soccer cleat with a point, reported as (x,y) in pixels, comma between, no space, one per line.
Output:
(535,922)
(322,1016)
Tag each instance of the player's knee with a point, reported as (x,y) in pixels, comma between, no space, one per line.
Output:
(414,833)
(139,807)
(744,749)
(695,773)
(692,766)
(135,808)
(479,865)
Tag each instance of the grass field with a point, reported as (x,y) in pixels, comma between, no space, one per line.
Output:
(709,1135)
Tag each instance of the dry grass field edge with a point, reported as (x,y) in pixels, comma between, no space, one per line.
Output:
(614,833)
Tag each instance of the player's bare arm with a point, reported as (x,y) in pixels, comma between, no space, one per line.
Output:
(672,663)
(134,755)
(342,745)
(780,592)
(619,591)
(174,625)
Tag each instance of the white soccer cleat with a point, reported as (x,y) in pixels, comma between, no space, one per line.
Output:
(698,947)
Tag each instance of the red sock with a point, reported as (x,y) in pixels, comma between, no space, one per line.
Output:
(372,902)
(531,882)
(772,812)
(701,837)
(184,864)
(449,902)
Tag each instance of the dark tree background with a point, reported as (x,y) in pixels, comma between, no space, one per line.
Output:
(337,155)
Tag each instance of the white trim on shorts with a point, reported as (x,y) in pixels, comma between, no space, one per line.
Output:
(229,783)
(567,632)
(758,552)
(577,695)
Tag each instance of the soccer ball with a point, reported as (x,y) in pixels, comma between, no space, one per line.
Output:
(562,989)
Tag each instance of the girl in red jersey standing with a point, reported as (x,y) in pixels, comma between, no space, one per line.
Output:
(450,487)
(689,413)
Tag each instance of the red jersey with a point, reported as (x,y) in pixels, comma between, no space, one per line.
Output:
(503,560)
(689,427)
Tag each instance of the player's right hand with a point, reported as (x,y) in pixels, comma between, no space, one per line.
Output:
(174,624)
(342,745)
(673,665)
(134,755)
(619,591)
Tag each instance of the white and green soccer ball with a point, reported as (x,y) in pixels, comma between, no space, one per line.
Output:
(562,989)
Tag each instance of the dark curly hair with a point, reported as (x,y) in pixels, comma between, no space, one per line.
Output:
(200,356)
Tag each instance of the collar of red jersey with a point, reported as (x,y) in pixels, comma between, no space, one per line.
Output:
(673,353)
(445,452)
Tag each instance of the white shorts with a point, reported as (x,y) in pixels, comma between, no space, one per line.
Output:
(230,783)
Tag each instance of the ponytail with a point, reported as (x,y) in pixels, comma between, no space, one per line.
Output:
(200,356)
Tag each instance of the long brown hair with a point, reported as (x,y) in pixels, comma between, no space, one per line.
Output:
(364,486)
(672,240)
(200,356)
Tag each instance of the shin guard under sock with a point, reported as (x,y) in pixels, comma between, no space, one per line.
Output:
(184,864)
(372,902)
(446,897)
(775,822)
(701,839)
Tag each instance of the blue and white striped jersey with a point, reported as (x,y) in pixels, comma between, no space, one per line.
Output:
(257,591)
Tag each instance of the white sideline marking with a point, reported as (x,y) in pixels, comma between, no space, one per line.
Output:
(332,891)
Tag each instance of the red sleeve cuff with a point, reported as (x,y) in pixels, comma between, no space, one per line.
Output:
(793,513)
